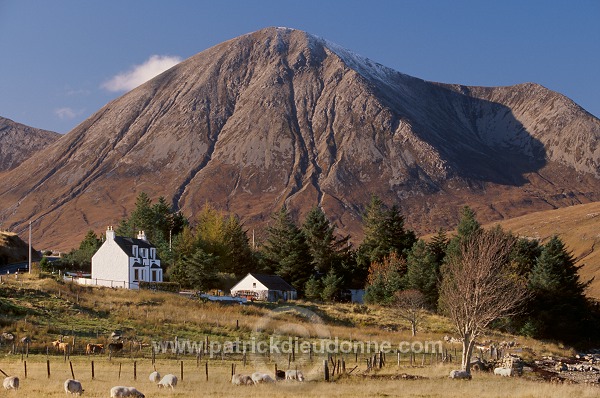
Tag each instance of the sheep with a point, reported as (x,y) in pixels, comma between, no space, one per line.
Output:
(154,377)
(121,392)
(459,375)
(294,375)
(258,377)
(241,380)
(506,372)
(73,387)
(11,383)
(168,381)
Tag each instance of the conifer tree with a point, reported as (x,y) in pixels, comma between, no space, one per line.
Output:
(423,272)
(198,271)
(325,248)
(385,278)
(384,234)
(331,286)
(313,288)
(286,250)
(240,259)
(559,305)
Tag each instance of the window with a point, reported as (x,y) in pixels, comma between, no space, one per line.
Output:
(254,285)
(134,250)
(154,276)
(136,275)
(153,253)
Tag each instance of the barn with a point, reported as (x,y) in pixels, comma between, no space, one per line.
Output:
(261,287)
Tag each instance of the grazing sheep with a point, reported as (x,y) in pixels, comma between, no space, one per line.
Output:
(73,387)
(154,377)
(460,375)
(121,392)
(294,375)
(258,377)
(241,380)
(506,372)
(168,381)
(11,383)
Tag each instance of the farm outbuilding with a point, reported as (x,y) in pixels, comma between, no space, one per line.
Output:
(261,287)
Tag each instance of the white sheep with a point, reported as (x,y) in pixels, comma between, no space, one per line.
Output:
(241,380)
(154,377)
(506,372)
(121,392)
(294,375)
(11,383)
(460,375)
(73,387)
(258,377)
(168,381)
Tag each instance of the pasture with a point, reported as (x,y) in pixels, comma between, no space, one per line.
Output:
(385,383)
(47,310)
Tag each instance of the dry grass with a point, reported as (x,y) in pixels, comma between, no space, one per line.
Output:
(45,309)
(194,383)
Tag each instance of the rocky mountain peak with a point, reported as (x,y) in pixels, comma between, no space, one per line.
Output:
(281,116)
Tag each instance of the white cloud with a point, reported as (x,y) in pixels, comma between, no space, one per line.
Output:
(139,74)
(66,113)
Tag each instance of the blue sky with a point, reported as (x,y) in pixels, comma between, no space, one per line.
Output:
(59,60)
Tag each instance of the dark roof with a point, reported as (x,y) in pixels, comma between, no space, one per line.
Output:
(273,282)
(126,244)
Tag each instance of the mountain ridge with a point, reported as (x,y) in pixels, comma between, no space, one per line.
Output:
(18,142)
(278,116)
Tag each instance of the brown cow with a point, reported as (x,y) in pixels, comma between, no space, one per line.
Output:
(60,346)
(114,347)
(93,349)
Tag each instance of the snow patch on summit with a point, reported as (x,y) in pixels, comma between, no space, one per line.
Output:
(366,67)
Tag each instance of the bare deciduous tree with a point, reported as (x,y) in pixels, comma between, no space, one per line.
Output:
(478,286)
(410,305)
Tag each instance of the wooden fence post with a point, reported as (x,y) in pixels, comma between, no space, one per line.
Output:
(206,370)
(134,370)
(48,367)
(326,369)
(119,370)
(93,375)
(182,370)
(25,368)
(71,366)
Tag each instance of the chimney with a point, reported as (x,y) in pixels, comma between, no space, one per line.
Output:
(142,236)
(110,233)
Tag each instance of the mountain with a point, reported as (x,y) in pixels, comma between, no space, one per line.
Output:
(281,116)
(18,142)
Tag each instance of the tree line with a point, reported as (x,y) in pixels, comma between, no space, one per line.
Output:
(391,263)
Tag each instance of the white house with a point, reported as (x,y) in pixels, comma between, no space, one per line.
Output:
(264,287)
(125,262)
